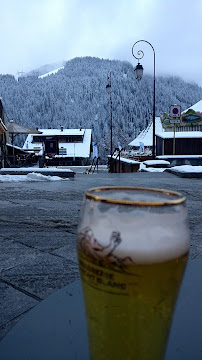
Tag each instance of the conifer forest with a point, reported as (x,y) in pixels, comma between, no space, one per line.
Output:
(76,97)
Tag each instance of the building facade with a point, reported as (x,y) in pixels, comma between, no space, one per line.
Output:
(61,147)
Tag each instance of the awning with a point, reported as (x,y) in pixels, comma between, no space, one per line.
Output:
(14,128)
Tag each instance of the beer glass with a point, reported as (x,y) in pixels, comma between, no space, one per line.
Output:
(133,246)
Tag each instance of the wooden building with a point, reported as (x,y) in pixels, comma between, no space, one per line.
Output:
(180,143)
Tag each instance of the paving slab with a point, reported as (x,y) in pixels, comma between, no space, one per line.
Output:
(45,239)
(68,252)
(13,304)
(12,309)
(13,254)
(42,275)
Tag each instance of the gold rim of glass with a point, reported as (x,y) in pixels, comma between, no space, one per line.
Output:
(93,194)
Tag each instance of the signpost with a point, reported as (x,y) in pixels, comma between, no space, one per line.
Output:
(175,118)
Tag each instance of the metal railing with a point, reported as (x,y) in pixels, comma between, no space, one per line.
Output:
(93,166)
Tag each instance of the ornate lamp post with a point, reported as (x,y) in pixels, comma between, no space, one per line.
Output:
(109,90)
(138,74)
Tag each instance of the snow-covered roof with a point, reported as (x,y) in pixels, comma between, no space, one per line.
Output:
(195,107)
(179,157)
(180,134)
(64,132)
(73,149)
(146,135)
(15,147)
(123,159)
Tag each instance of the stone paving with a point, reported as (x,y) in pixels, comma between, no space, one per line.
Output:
(38,225)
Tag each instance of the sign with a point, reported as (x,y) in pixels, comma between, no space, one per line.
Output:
(175,111)
(176,121)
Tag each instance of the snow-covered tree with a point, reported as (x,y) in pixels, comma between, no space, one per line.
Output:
(76,96)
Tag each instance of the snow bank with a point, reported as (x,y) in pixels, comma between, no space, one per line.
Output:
(187,169)
(151,169)
(30,177)
(36,169)
(156,162)
(180,169)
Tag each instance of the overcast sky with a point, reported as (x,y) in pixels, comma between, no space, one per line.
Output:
(39,32)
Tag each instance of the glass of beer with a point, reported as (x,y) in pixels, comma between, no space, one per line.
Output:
(133,246)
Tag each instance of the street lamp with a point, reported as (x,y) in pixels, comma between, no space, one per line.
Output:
(109,90)
(138,74)
(138,71)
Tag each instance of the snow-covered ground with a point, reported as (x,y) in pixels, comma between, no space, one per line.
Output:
(36,176)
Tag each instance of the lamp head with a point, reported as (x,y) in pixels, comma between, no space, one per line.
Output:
(138,71)
(108,88)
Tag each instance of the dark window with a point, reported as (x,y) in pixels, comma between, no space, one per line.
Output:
(38,139)
(71,138)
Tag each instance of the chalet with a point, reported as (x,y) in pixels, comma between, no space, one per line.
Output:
(61,146)
(146,135)
(183,139)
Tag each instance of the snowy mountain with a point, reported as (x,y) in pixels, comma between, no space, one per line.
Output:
(75,95)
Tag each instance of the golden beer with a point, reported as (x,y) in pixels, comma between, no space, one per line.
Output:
(129,294)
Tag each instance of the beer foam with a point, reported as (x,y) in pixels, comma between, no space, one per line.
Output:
(146,237)
(138,195)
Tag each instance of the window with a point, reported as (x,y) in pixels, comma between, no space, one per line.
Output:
(62,151)
(74,138)
(38,139)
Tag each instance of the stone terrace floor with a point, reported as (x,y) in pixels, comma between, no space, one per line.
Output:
(38,226)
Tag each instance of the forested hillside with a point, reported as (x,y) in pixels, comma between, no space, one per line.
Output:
(76,96)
